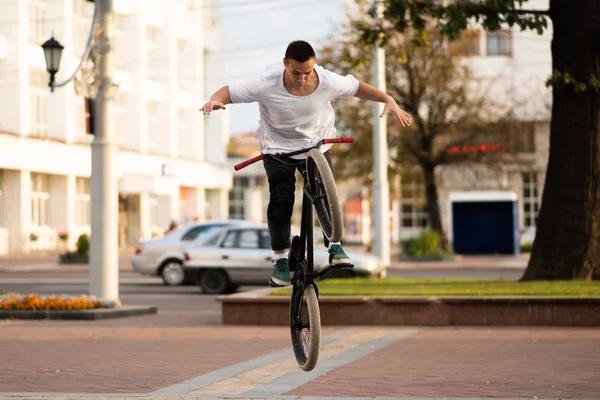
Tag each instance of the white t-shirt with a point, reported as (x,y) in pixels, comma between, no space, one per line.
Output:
(289,122)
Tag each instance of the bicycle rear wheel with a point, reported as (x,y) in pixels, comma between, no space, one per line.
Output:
(305,326)
(324,192)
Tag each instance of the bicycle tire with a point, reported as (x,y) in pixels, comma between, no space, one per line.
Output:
(308,356)
(329,212)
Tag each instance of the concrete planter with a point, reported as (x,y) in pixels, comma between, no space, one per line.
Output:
(74,258)
(260,309)
(94,314)
(403,257)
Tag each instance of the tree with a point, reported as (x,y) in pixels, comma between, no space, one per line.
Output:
(454,122)
(567,243)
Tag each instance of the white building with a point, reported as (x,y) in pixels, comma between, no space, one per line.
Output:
(171,159)
(506,62)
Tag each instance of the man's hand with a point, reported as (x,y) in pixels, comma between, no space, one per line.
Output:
(392,107)
(211,106)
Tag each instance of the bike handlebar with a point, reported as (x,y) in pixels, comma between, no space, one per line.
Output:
(259,157)
(243,164)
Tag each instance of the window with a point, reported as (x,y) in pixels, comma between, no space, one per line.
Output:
(181,63)
(212,241)
(82,20)
(80,116)
(197,231)
(499,43)
(208,7)
(531,202)
(39,199)
(185,151)
(151,48)
(413,202)
(38,90)
(230,240)
(37,15)
(249,239)
(152,139)
(119,40)
(82,202)
(153,203)
(265,239)
(119,115)
(523,140)
(467,45)
(236,197)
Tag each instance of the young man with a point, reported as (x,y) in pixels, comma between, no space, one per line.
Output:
(295,112)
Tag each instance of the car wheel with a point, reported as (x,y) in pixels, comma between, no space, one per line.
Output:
(172,273)
(214,281)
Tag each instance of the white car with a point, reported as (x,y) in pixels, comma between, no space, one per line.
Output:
(241,255)
(164,256)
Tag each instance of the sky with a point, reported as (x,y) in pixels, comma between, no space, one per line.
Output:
(256,34)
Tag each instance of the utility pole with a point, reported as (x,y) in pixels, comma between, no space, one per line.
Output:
(104,254)
(381,187)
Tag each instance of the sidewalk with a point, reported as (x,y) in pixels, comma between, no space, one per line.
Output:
(460,262)
(467,262)
(141,357)
(49,260)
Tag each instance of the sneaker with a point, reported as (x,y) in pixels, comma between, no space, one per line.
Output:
(281,273)
(337,255)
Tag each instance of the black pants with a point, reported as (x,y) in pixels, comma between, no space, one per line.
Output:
(282,188)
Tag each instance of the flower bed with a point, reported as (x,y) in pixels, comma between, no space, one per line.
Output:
(33,302)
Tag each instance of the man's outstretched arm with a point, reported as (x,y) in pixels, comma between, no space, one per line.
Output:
(368,92)
(217,101)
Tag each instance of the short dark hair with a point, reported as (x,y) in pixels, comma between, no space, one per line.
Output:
(300,51)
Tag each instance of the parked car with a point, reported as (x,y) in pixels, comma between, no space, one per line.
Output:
(164,256)
(241,255)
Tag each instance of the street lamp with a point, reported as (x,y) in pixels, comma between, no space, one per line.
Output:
(104,250)
(52,53)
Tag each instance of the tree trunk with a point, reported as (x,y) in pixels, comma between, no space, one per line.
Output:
(433,205)
(567,243)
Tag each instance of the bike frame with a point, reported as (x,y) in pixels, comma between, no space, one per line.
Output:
(303,267)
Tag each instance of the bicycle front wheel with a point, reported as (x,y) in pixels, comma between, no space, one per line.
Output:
(322,187)
(305,326)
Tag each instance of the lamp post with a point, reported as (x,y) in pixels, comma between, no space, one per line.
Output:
(381,188)
(104,255)
(52,52)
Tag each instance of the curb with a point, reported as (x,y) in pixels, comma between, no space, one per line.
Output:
(258,308)
(95,314)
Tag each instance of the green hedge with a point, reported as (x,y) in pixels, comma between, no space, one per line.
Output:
(428,243)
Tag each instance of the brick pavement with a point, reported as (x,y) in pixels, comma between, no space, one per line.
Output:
(474,362)
(91,359)
(145,354)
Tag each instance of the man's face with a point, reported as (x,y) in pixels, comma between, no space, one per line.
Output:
(299,72)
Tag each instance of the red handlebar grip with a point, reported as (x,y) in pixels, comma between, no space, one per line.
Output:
(348,139)
(243,164)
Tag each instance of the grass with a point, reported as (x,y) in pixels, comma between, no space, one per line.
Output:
(450,287)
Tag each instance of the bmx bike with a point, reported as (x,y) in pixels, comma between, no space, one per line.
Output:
(320,192)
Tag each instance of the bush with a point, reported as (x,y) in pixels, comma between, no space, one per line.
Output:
(31,301)
(428,243)
(83,245)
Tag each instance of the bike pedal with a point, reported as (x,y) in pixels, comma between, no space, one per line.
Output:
(273,284)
